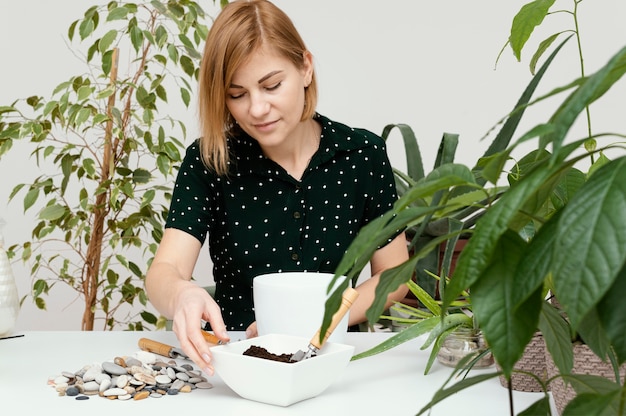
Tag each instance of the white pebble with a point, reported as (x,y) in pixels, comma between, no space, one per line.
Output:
(163,379)
(145,357)
(61,379)
(104,385)
(102,377)
(122,381)
(115,392)
(91,386)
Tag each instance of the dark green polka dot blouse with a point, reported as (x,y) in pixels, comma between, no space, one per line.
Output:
(260,220)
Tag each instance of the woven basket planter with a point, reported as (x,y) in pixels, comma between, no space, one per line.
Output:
(585,362)
(533,361)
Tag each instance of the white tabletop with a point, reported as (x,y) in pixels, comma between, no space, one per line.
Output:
(390,383)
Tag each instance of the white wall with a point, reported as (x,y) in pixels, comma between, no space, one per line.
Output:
(428,64)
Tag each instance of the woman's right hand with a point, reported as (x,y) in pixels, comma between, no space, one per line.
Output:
(192,305)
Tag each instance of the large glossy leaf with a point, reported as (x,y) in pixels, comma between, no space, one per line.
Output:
(556,335)
(612,310)
(534,267)
(478,252)
(590,247)
(596,396)
(590,404)
(506,329)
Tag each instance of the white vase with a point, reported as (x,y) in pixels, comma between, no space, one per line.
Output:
(9,302)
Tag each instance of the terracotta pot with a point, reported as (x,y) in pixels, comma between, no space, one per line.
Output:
(533,361)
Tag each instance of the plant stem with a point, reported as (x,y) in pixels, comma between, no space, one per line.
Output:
(590,144)
(101,208)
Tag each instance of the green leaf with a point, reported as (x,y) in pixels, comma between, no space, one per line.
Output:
(141,175)
(82,116)
(107,62)
(107,40)
(464,383)
(415,167)
(524,23)
(186,96)
(594,404)
(136,270)
(39,287)
(591,88)
(543,47)
(540,407)
(52,212)
(187,65)
(414,331)
(590,249)
(149,317)
(117,13)
(30,198)
(556,335)
(506,329)
(390,280)
(90,167)
(86,28)
(160,36)
(172,52)
(611,310)
(136,37)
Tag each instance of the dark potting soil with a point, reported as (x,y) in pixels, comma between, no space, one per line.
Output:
(260,352)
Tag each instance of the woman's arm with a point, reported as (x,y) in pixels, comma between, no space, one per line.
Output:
(389,256)
(171,292)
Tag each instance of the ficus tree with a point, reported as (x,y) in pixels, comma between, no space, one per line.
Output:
(107,148)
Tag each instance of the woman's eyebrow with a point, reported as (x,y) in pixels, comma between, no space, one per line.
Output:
(271,74)
(260,81)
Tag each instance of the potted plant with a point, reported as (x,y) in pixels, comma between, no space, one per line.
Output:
(452,335)
(449,200)
(107,149)
(575,247)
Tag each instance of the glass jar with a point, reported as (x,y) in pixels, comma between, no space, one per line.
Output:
(9,302)
(462,342)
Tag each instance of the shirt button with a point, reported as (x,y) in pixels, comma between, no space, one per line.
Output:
(297,215)
(294,256)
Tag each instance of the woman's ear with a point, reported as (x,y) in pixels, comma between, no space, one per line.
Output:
(308,68)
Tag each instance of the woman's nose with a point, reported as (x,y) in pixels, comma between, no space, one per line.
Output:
(259,105)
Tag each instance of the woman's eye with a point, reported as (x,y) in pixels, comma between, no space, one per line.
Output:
(235,96)
(273,87)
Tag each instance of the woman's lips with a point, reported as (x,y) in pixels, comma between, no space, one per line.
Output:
(265,127)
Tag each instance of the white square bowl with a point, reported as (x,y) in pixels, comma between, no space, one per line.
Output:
(275,382)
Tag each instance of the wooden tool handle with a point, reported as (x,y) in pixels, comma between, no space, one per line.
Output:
(211,338)
(155,347)
(347,299)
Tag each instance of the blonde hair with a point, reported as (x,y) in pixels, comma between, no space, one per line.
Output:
(240,29)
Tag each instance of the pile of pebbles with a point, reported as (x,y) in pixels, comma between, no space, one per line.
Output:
(137,377)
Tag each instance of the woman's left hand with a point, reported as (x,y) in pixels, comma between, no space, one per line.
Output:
(251,331)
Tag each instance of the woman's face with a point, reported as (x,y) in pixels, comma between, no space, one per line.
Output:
(266,96)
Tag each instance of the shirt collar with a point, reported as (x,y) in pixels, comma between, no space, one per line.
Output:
(335,138)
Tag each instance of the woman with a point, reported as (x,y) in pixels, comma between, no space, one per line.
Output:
(274,185)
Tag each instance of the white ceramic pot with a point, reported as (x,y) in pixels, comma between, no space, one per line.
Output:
(293,303)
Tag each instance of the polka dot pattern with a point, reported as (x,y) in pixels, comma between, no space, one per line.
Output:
(259,219)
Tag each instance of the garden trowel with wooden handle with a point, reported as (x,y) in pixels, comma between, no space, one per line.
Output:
(315,344)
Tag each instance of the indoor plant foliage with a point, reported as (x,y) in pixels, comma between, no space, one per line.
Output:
(436,209)
(576,246)
(112,148)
